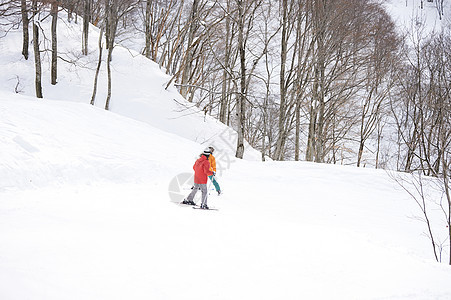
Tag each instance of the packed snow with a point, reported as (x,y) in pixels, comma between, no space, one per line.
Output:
(87,201)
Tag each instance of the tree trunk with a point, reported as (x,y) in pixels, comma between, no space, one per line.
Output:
(362,138)
(107,23)
(225,76)
(309,153)
(94,91)
(70,9)
(241,106)
(379,138)
(37,54)
(320,134)
(147,25)
(108,65)
(447,189)
(319,78)
(278,152)
(359,155)
(112,19)
(54,71)
(86,20)
(25,23)
(298,131)
(186,75)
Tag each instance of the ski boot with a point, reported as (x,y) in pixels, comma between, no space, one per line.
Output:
(188,202)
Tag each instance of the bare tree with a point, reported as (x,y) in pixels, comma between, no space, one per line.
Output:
(416,188)
(418,111)
(25,25)
(157,23)
(244,19)
(423,113)
(241,106)
(54,68)
(37,54)
(304,68)
(115,10)
(334,73)
(340,52)
(438,137)
(287,73)
(382,59)
(193,27)
(265,121)
(409,110)
(99,63)
(86,20)
(226,76)
(111,22)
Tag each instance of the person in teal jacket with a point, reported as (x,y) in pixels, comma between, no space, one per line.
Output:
(212,161)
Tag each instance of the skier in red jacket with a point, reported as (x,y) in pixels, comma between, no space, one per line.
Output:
(201,172)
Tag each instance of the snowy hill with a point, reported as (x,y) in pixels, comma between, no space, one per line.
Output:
(48,143)
(138,87)
(86,211)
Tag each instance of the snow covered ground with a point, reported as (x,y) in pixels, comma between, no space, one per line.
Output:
(85,213)
(86,210)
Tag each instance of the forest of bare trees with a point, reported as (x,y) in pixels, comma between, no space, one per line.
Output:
(330,81)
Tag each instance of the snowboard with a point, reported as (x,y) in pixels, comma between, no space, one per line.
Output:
(210,208)
(196,206)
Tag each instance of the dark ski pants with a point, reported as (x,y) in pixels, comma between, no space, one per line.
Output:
(203,189)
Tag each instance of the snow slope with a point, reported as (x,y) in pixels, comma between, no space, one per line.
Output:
(138,86)
(86,211)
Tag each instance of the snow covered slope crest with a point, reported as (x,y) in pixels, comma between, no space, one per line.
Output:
(48,143)
(139,87)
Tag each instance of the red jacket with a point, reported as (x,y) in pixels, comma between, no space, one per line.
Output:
(202,170)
